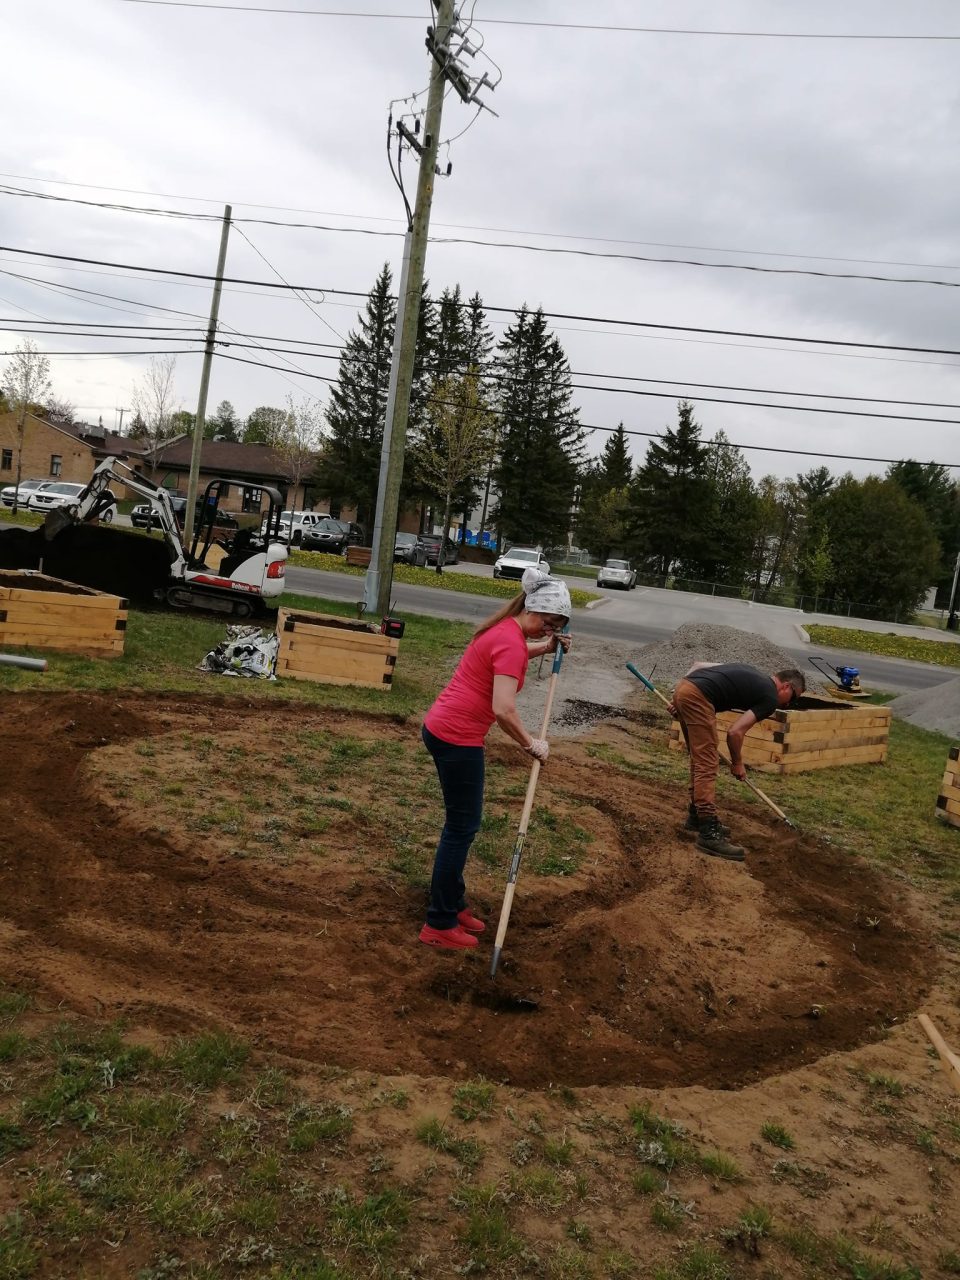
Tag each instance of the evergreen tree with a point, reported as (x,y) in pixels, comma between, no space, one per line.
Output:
(349,469)
(541,440)
(736,512)
(616,469)
(137,430)
(602,521)
(671,516)
(815,483)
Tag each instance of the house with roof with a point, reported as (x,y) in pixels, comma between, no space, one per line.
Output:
(247,468)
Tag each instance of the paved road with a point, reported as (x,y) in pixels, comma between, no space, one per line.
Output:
(641,617)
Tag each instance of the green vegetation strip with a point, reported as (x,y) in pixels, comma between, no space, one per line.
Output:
(163,647)
(941,653)
(449,580)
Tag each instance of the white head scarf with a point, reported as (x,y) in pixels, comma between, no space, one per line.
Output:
(545,594)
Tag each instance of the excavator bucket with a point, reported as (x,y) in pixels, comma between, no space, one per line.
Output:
(55,522)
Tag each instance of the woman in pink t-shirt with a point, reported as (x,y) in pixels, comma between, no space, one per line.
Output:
(483,689)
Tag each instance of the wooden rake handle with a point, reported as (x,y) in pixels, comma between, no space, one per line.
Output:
(762,795)
(948,1059)
(524,820)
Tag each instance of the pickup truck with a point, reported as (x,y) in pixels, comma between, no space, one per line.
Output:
(301,520)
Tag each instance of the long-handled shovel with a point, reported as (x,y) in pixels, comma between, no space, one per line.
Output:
(524,820)
(761,795)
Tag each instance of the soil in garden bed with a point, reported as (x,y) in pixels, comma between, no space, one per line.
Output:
(651,964)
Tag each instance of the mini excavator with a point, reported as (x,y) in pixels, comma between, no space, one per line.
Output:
(237,574)
(846,679)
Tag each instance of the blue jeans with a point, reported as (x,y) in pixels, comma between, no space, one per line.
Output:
(461,780)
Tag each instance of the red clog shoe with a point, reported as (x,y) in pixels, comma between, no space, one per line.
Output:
(454,939)
(470,922)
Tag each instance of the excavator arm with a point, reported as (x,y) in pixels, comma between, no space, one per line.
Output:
(97,497)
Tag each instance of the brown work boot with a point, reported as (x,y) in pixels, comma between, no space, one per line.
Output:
(713,841)
(694,824)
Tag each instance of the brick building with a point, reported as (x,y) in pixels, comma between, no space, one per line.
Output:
(49,452)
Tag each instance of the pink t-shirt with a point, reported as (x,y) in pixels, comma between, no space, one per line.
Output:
(463,713)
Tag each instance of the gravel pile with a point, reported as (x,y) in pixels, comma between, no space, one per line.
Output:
(701,642)
(937,708)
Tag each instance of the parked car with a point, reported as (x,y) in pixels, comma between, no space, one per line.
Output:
(61,493)
(513,562)
(617,573)
(143,515)
(431,542)
(410,548)
(23,493)
(331,535)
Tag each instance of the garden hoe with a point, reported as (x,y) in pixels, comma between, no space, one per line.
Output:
(524,820)
(761,795)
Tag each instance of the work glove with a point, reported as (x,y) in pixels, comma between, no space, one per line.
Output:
(539,748)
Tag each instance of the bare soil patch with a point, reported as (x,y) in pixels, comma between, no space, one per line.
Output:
(648,965)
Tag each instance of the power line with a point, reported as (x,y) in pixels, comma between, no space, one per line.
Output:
(560,26)
(586,426)
(453,226)
(299,293)
(608,255)
(493,368)
(558,315)
(253,293)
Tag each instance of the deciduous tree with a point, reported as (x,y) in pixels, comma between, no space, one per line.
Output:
(223,425)
(298,443)
(26,384)
(457,441)
(265,425)
(153,400)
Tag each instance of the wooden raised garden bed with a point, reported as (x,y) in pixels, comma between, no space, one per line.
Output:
(948,801)
(47,613)
(821,733)
(331,650)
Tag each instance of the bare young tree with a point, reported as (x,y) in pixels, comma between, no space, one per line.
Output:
(457,442)
(297,442)
(153,400)
(59,411)
(27,384)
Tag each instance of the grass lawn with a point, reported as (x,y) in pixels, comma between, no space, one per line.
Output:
(449,580)
(887,644)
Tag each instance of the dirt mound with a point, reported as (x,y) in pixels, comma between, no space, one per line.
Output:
(118,561)
(651,964)
(937,708)
(703,642)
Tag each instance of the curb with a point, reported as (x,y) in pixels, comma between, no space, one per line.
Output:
(801,633)
(595,604)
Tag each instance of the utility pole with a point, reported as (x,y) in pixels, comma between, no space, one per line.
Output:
(120,427)
(192,483)
(379,578)
(952,615)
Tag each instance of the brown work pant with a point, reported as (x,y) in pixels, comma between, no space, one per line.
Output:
(698,720)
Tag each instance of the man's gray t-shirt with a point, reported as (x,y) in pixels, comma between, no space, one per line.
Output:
(733,686)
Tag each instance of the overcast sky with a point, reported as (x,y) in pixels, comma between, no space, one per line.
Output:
(808,154)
